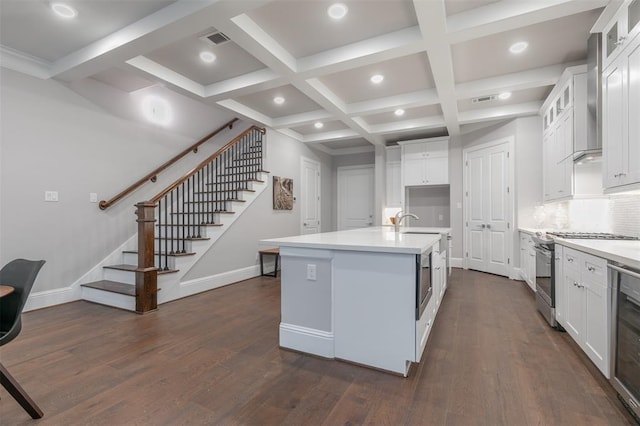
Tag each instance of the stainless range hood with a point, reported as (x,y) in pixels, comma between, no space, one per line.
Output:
(592,145)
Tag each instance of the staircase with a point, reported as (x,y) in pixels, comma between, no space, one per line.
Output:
(179,225)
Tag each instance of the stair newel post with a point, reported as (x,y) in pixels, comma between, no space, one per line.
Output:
(146,273)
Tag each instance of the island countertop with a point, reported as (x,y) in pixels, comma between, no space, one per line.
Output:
(374,239)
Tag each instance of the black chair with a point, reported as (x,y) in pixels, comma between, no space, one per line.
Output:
(19,274)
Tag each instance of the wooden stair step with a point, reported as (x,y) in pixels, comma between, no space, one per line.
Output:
(162,253)
(112,286)
(133,268)
(237,200)
(191,225)
(205,213)
(236,181)
(183,238)
(225,190)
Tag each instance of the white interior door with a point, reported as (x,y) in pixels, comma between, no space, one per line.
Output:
(488,207)
(355,197)
(310,196)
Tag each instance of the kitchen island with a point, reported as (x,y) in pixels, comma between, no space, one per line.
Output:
(352,295)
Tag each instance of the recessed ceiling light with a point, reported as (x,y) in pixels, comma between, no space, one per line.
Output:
(279,100)
(318,125)
(399,112)
(64,10)
(377,79)
(519,47)
(337,11)
(207,56)
(504,95)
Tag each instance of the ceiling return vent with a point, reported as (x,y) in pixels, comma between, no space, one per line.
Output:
(482,99)
(216,38)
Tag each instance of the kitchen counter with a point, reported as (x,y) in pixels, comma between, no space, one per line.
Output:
(374,239)
(622,251)
(351,295)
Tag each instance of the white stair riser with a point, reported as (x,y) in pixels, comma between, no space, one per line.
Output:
(127,277)
(132,259)
(108,298)
(159,246)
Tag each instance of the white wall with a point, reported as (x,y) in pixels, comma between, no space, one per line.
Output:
(54,139)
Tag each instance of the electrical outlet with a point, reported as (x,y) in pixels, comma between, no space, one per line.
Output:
(440,217)
(93,197)
(51,196)
(311,272)
(458,205)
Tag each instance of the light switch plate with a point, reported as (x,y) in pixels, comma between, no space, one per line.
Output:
(51,196)
(93,197)
(311,272)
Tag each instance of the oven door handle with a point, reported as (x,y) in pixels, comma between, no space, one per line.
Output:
(624,271)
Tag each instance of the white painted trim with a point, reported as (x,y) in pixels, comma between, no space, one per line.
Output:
(510,142)
(199,285)
(308,340)
(107,298)
(58,296)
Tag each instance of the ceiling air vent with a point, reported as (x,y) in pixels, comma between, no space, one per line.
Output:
(484,99)
(217,38)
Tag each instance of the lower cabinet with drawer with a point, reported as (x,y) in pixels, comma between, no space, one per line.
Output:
(587,305)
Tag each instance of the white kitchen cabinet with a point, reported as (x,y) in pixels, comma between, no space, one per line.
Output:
(425,162)
(528,260)
(564,129)
(620,119)
(587,304)
(622,28)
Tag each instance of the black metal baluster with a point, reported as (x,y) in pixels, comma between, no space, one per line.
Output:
(182,220)
(171,227)
(166,236)
(158,264)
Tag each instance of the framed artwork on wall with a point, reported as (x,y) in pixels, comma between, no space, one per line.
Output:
(282,193)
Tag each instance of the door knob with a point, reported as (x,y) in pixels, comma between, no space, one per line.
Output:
(484,226)
(488,226)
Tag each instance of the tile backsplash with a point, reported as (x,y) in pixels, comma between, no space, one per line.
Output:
(619,214)
(624,214)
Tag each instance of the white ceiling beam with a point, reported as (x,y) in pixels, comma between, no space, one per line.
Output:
(503,112)
(243,84)
(166,74)
(301,119)
(538,77)
(26,64)
(606,15)
(433,26)
(432,122)
(507,15)
(390,103)
(245,111)
(291,133)
(352,150)
(376,49)
(331,136)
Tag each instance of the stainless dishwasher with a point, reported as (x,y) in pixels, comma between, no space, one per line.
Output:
(625,348)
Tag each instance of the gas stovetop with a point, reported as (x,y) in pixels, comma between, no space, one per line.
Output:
(590,236)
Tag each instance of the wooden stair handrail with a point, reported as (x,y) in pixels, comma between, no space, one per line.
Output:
(193,171)
(104,204)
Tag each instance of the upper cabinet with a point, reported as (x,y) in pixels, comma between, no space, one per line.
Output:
(565,123)
(621,101)
(620,31)
(425,162)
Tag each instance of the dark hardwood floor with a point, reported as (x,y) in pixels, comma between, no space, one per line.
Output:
(214,359)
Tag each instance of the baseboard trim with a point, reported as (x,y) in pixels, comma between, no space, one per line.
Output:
(47,298)
(456,262)
(198,285)
(308,340)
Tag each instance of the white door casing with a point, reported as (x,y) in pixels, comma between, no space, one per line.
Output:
(309,196)
(489,206)
(355,197)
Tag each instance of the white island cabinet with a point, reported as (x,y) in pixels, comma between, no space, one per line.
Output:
(351,295)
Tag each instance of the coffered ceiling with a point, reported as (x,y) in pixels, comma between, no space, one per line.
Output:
(434,56)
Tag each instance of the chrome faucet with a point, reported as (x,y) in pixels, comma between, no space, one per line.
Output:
(399,217)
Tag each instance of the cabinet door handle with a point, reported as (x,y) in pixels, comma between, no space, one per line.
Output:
(620,41)
(569,259)
(591,268)
(488,226)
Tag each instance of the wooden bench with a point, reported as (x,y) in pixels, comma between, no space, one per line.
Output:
(269,252)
